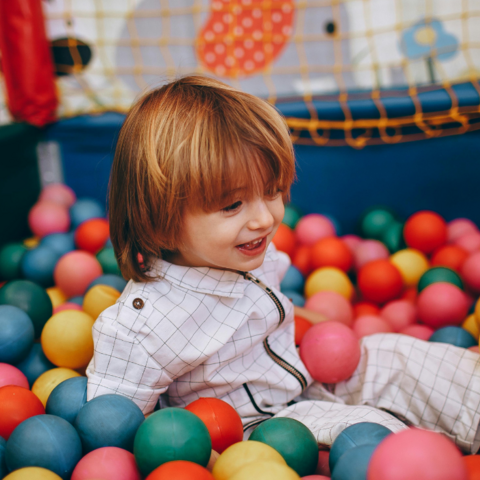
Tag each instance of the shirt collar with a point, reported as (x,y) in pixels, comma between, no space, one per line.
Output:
(212,281)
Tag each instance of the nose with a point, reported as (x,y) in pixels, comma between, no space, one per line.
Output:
(261,217)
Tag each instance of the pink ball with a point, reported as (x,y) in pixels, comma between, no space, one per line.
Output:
(471,272)
(67,306)
(107,463)
(399,314)
(312,228)
(333,305)
(421,332)
(351,241)
(459,227)
(48,217)
(475,349)
(58,193)
(75,271)
(330,351)
(369,325)
(316,477)
(416,454)
(469,242)
(369,250)
(441,304)
(10,375)
(323,466)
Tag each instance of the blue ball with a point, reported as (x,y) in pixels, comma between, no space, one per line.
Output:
(17,334)
(296,298)
(61,243)
(44,441)
(35,364)
(111,280)
(3,463)
(108,243)
(364,433)
(78,300)
(353,464)
(108,421)
(457,336)
(38,265)
(85,209)
(293,280)
(67,398)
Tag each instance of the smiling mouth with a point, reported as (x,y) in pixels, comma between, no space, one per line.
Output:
(254,247)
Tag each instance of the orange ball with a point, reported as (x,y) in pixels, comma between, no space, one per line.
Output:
(410,294)
(473,466)
(365,308)
(451,256)
(425,231)
(180,470)
(301,327)
(331,252)
(285,240)
(380,281)
(302,259)
(221,419)
(92,235)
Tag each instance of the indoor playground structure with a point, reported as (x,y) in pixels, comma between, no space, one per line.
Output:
(382,98)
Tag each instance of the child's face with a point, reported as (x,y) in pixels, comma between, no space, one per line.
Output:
(235,237)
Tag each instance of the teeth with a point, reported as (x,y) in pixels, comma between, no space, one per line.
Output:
(251,244)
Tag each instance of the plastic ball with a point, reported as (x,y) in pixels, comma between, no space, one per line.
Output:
(296,298)
(470,324)
(291,216)
(45,218)
(84,209)
(415,454)
(363,433)
(333,305)
(108,261)
(38,265)
(115,281)
(61,243)
(458,227)
(77,299)
(29,297)
(354,463)
(369,325)
(470,242)
(365,308)
(240,454)
(330,351)
(392,237)
(422,332)
(179,470)
(3,465)
(442,304)
(99,298)
(44,441)
(331,252)
(425,231)
(67,339)
(92,235)
(17,335)
(75,271)
(312,228)
(369,250)
(10,260)
(301,259)
(265,471)
(410,295)
(58,193)
(329,279)
(301,327)
(67,306)
(450,256)
(375,221)
(107,463)
(351,241)
(323,469)
(171,434)
(56,296)
(48,380)
(293,280)
(439,274)
(34,364)
(472,462)
(399,314)
(412,264)
(10,375)
(284,239)
(475,349)
(471,272)
(293,440)
(67,398)
(454,336)
(32,473)
(380,281)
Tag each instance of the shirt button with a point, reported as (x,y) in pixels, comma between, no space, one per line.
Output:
(138,303)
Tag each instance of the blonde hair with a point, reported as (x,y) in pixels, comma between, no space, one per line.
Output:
(188,144)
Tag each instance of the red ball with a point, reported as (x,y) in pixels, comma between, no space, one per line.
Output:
(331,252)
(301,327)
(380,281)
(450,256)
(180,470)
(16,405)
(284,239)
(330,351)
(92,235)
(471,272)
(221,419)
(302,259)
(425,231)
(365,308)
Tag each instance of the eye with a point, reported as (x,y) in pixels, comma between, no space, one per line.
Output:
(232,207)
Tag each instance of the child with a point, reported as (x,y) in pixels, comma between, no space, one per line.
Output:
(198,185)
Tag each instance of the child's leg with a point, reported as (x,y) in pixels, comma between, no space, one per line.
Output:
(431,385)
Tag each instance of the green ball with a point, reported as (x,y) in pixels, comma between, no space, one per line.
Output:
(292,216)
(171,434)
(31,298)
(375,221)
(392,237)
(439,274)
(293,440)
(108,261)
(10,259)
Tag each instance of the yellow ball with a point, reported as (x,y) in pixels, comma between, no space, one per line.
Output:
(48,380)
(266,471)
(470,324)
(240,454)
(67,339)
(32,473)
(31,242)
(56,296)
(331,279)
(99,298)
(477,310)
(412,265)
